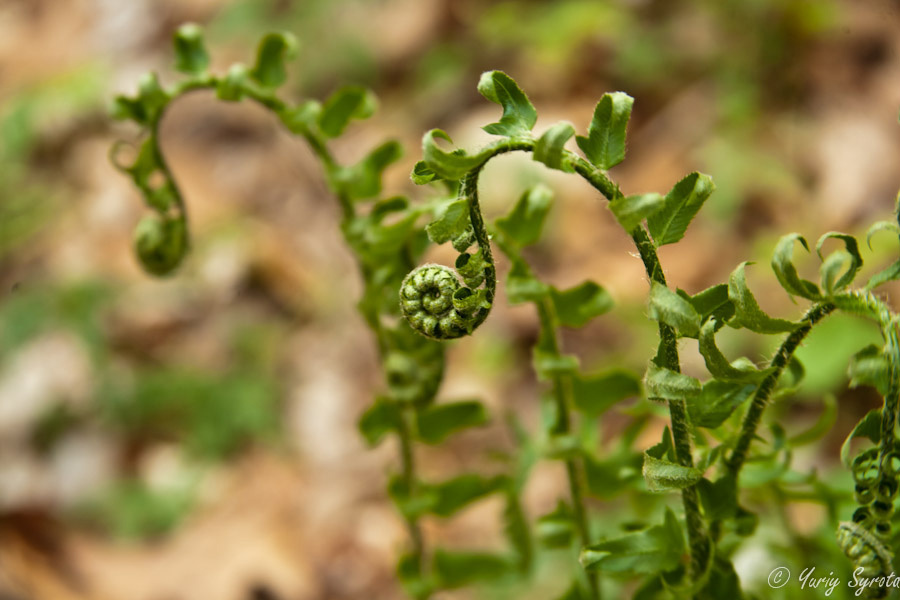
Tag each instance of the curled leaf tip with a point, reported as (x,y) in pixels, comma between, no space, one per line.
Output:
(438,306)
(160,244)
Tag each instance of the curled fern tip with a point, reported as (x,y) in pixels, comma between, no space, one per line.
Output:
(434,302)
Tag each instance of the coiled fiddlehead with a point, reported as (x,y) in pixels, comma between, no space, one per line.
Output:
(432,298)
(161,243)
(162,240)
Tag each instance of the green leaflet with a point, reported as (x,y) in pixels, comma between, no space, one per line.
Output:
(786,272)
(363,180)
(453,495)
(822,425)
(748,314)
(301,119)
(614,475)
(665,384)
(831,266)
(190,53)
(422,174)
(232,87)
(557,528)
(457,569)
(451,222)
(631,211)
(662,475)
(890,273)
(869,366)
(830,271)
(719,366)
(668,307)
(351,102)
(680,206)
(716,402)
(519,116)
(655,549)
(449,165)
(597,393)
(604,145)
(522,286)
(274,50)
(525,221)
(890,226)
(550,147)
(868,427)
(719,498)
(437,422)
(147,105)
(409,573)
(712,302)
(380,419)
(578,305)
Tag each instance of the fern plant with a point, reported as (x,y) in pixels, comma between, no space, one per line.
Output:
(384,237)
(711,452)
(442,305)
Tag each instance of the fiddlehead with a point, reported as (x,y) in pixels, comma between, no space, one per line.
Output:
(162,240)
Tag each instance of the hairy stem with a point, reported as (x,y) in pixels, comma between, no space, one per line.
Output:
(699,546)
(761,398)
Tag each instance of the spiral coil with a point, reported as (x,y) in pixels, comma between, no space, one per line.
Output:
(437,305)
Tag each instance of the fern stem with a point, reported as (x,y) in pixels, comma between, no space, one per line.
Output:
(562,395)
(761,398)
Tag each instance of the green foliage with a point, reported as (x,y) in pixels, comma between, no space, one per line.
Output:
(631,211)
(786,272)
(436,423)
(191,56)
(604,145)
(668,307)
(680,206)
(525,222)
(344,105)
(519,116)
(748,314)
(577,306)
(549,147)
(657,548)
(663,475)
(711,452)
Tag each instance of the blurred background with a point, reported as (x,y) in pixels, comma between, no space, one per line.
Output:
(195,437)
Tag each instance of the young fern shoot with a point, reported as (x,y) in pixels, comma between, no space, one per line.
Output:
(386,241)
(462,305)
